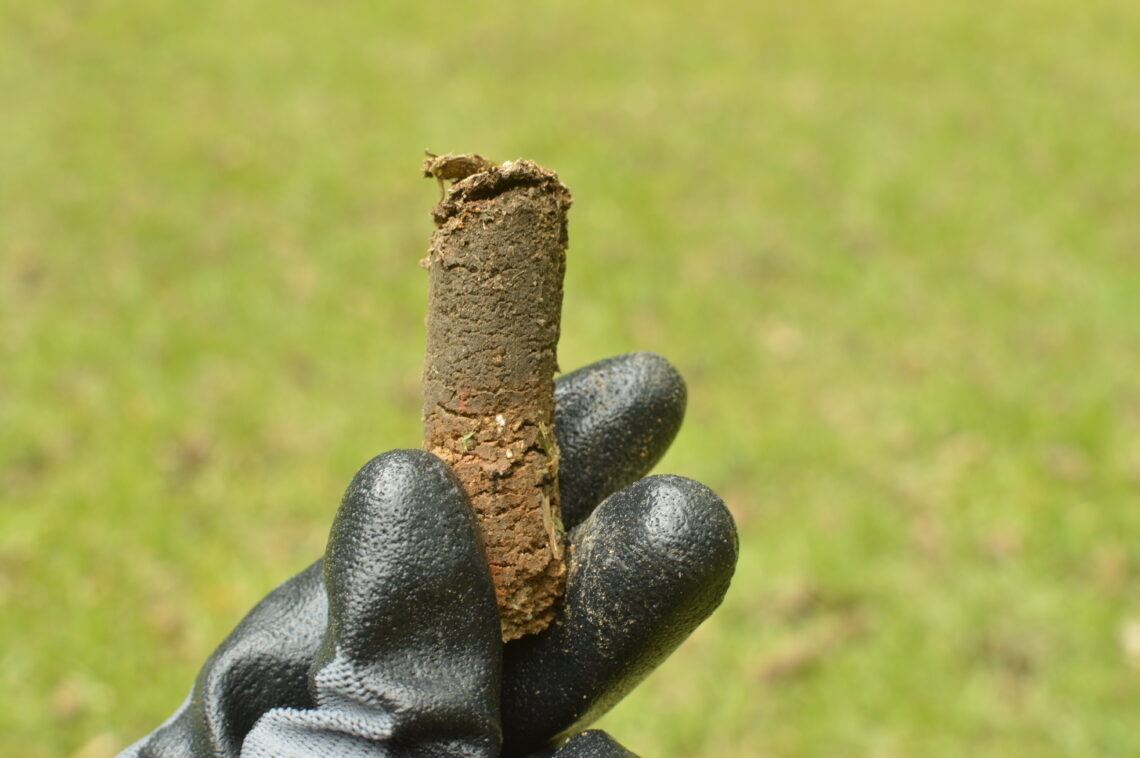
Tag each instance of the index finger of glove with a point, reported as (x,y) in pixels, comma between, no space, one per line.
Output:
(613,420)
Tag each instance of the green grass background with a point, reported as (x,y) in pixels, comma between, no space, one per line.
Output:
(894,247)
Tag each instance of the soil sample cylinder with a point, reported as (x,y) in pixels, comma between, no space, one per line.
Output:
(496,265)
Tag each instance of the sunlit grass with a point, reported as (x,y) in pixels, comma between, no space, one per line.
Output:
(893,247)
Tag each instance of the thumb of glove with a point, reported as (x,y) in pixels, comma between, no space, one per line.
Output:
(410,661)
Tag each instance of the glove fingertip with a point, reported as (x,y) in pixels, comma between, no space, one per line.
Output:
(651,563)
(614,419)
(405,539)
(664,551)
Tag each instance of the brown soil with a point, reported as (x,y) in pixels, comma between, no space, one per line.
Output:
(496,265)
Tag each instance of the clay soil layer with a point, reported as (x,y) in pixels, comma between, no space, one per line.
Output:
(497,261)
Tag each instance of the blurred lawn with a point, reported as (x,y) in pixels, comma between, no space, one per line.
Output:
(894,247)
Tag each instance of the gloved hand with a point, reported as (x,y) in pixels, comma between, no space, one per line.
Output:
(390,646)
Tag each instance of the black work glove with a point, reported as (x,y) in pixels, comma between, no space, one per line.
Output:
(391,645)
